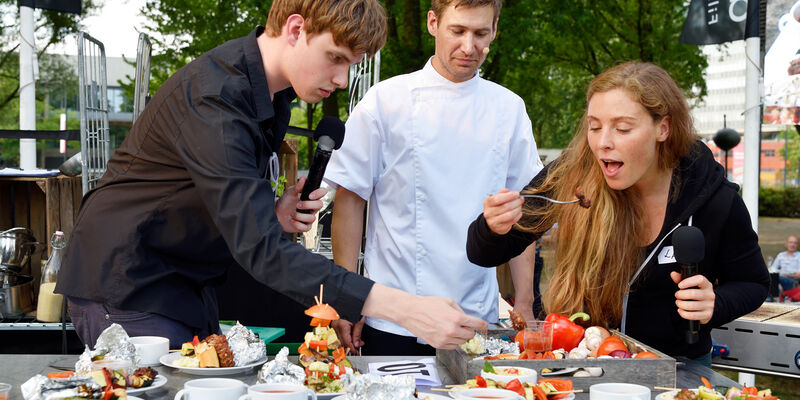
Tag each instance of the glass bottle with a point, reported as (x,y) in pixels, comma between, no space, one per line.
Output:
(48,308)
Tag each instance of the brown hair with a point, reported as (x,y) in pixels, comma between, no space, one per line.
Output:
(359,25)
(438,6)
(595,254)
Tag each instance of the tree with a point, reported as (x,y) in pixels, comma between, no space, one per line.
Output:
(50,27)
(549,56)
(546,51)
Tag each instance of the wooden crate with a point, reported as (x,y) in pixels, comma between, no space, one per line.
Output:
(43,205)
(646,371)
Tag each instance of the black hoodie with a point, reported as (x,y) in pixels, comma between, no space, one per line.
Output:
(733,261)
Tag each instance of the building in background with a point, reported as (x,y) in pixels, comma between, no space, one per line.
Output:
(120,111)
(725,81)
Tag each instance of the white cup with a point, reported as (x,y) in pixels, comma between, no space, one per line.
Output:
(278,391)
(212,389)
(150,349)
(481,393)
(618,391)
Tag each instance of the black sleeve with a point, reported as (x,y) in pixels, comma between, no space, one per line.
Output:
(741,273)
(223,165)
(488,249)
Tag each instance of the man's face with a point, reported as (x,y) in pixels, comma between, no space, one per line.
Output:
(791,243)
(317,66)
(461,35)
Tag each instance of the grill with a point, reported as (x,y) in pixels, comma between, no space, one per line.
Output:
(766,341)
(31,324)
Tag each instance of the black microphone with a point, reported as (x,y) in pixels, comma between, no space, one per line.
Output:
(329,136)
(689,245)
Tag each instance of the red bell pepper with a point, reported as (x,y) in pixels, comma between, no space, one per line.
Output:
(195,341)
(320,322)
(480,381)
(318,345)
(515,386)
(338,355)
(566,333)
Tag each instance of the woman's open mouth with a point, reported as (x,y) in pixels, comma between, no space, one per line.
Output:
(611,167)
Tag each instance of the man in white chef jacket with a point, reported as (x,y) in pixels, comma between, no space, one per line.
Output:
(426,149)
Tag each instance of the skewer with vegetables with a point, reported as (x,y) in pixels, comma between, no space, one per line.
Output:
(321,352)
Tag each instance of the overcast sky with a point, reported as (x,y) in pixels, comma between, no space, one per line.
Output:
(115,25)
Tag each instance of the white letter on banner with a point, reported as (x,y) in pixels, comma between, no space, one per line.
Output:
(712,11)
(734,17)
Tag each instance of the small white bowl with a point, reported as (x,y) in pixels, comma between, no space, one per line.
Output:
(150,349)
(618,391)
(524,375)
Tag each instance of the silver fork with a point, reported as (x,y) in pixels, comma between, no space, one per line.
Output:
(536,196)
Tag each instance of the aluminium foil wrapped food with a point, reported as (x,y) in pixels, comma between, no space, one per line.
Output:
(112,344)
(375,387)
(280,370)
(245,345)
(41,387)
(494,346)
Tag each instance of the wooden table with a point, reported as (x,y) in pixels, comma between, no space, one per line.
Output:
(26,366)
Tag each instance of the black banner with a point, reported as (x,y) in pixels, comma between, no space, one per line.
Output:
(720,21)
(67,6)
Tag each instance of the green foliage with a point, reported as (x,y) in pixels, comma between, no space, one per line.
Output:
(546,51)
(190,28)
(779,202)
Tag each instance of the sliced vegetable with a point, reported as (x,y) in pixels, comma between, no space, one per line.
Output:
(516,386)
(480,381)
(60,375)
(195,341)
(706,383)
(320,322)
(322,311)
(538,392)
(560,385)
(318,345)
(338,355)
(620,354)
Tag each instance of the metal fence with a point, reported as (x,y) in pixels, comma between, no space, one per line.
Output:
(141,85)
(93,104)
(362,77)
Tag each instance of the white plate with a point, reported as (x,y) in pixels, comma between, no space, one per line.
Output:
(571,396)
(671,394)
(133,397)
(160,380)
(423,395)
(168,359)
(330,396)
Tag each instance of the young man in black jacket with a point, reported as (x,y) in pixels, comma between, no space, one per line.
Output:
(187,195)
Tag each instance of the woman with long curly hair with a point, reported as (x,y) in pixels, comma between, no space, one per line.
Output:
(637,158)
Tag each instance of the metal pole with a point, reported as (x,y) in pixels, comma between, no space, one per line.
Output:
(27,88)
(752,128)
